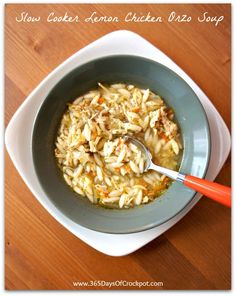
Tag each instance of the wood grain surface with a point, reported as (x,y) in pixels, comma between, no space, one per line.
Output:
(41,254)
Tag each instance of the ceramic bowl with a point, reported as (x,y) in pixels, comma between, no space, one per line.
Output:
(144,73)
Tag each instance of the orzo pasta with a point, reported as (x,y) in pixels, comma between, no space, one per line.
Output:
(96,161)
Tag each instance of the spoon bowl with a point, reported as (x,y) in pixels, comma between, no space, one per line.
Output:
(215,191)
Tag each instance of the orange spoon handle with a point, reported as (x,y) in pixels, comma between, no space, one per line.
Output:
(215,191)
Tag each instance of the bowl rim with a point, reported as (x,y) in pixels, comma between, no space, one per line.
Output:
(208,150)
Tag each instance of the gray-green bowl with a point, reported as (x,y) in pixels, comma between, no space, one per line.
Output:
(144,73)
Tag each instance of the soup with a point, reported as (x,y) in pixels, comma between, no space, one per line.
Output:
(96,161)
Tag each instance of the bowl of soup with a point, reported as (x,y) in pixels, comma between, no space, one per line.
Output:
(84,165)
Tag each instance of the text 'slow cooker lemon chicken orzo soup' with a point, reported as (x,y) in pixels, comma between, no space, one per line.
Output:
(95,160)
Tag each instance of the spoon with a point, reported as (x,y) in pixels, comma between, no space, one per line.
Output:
(215,191)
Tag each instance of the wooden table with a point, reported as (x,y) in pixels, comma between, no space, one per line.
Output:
(40,253)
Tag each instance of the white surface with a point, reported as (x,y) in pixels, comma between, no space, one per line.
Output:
(18,138)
